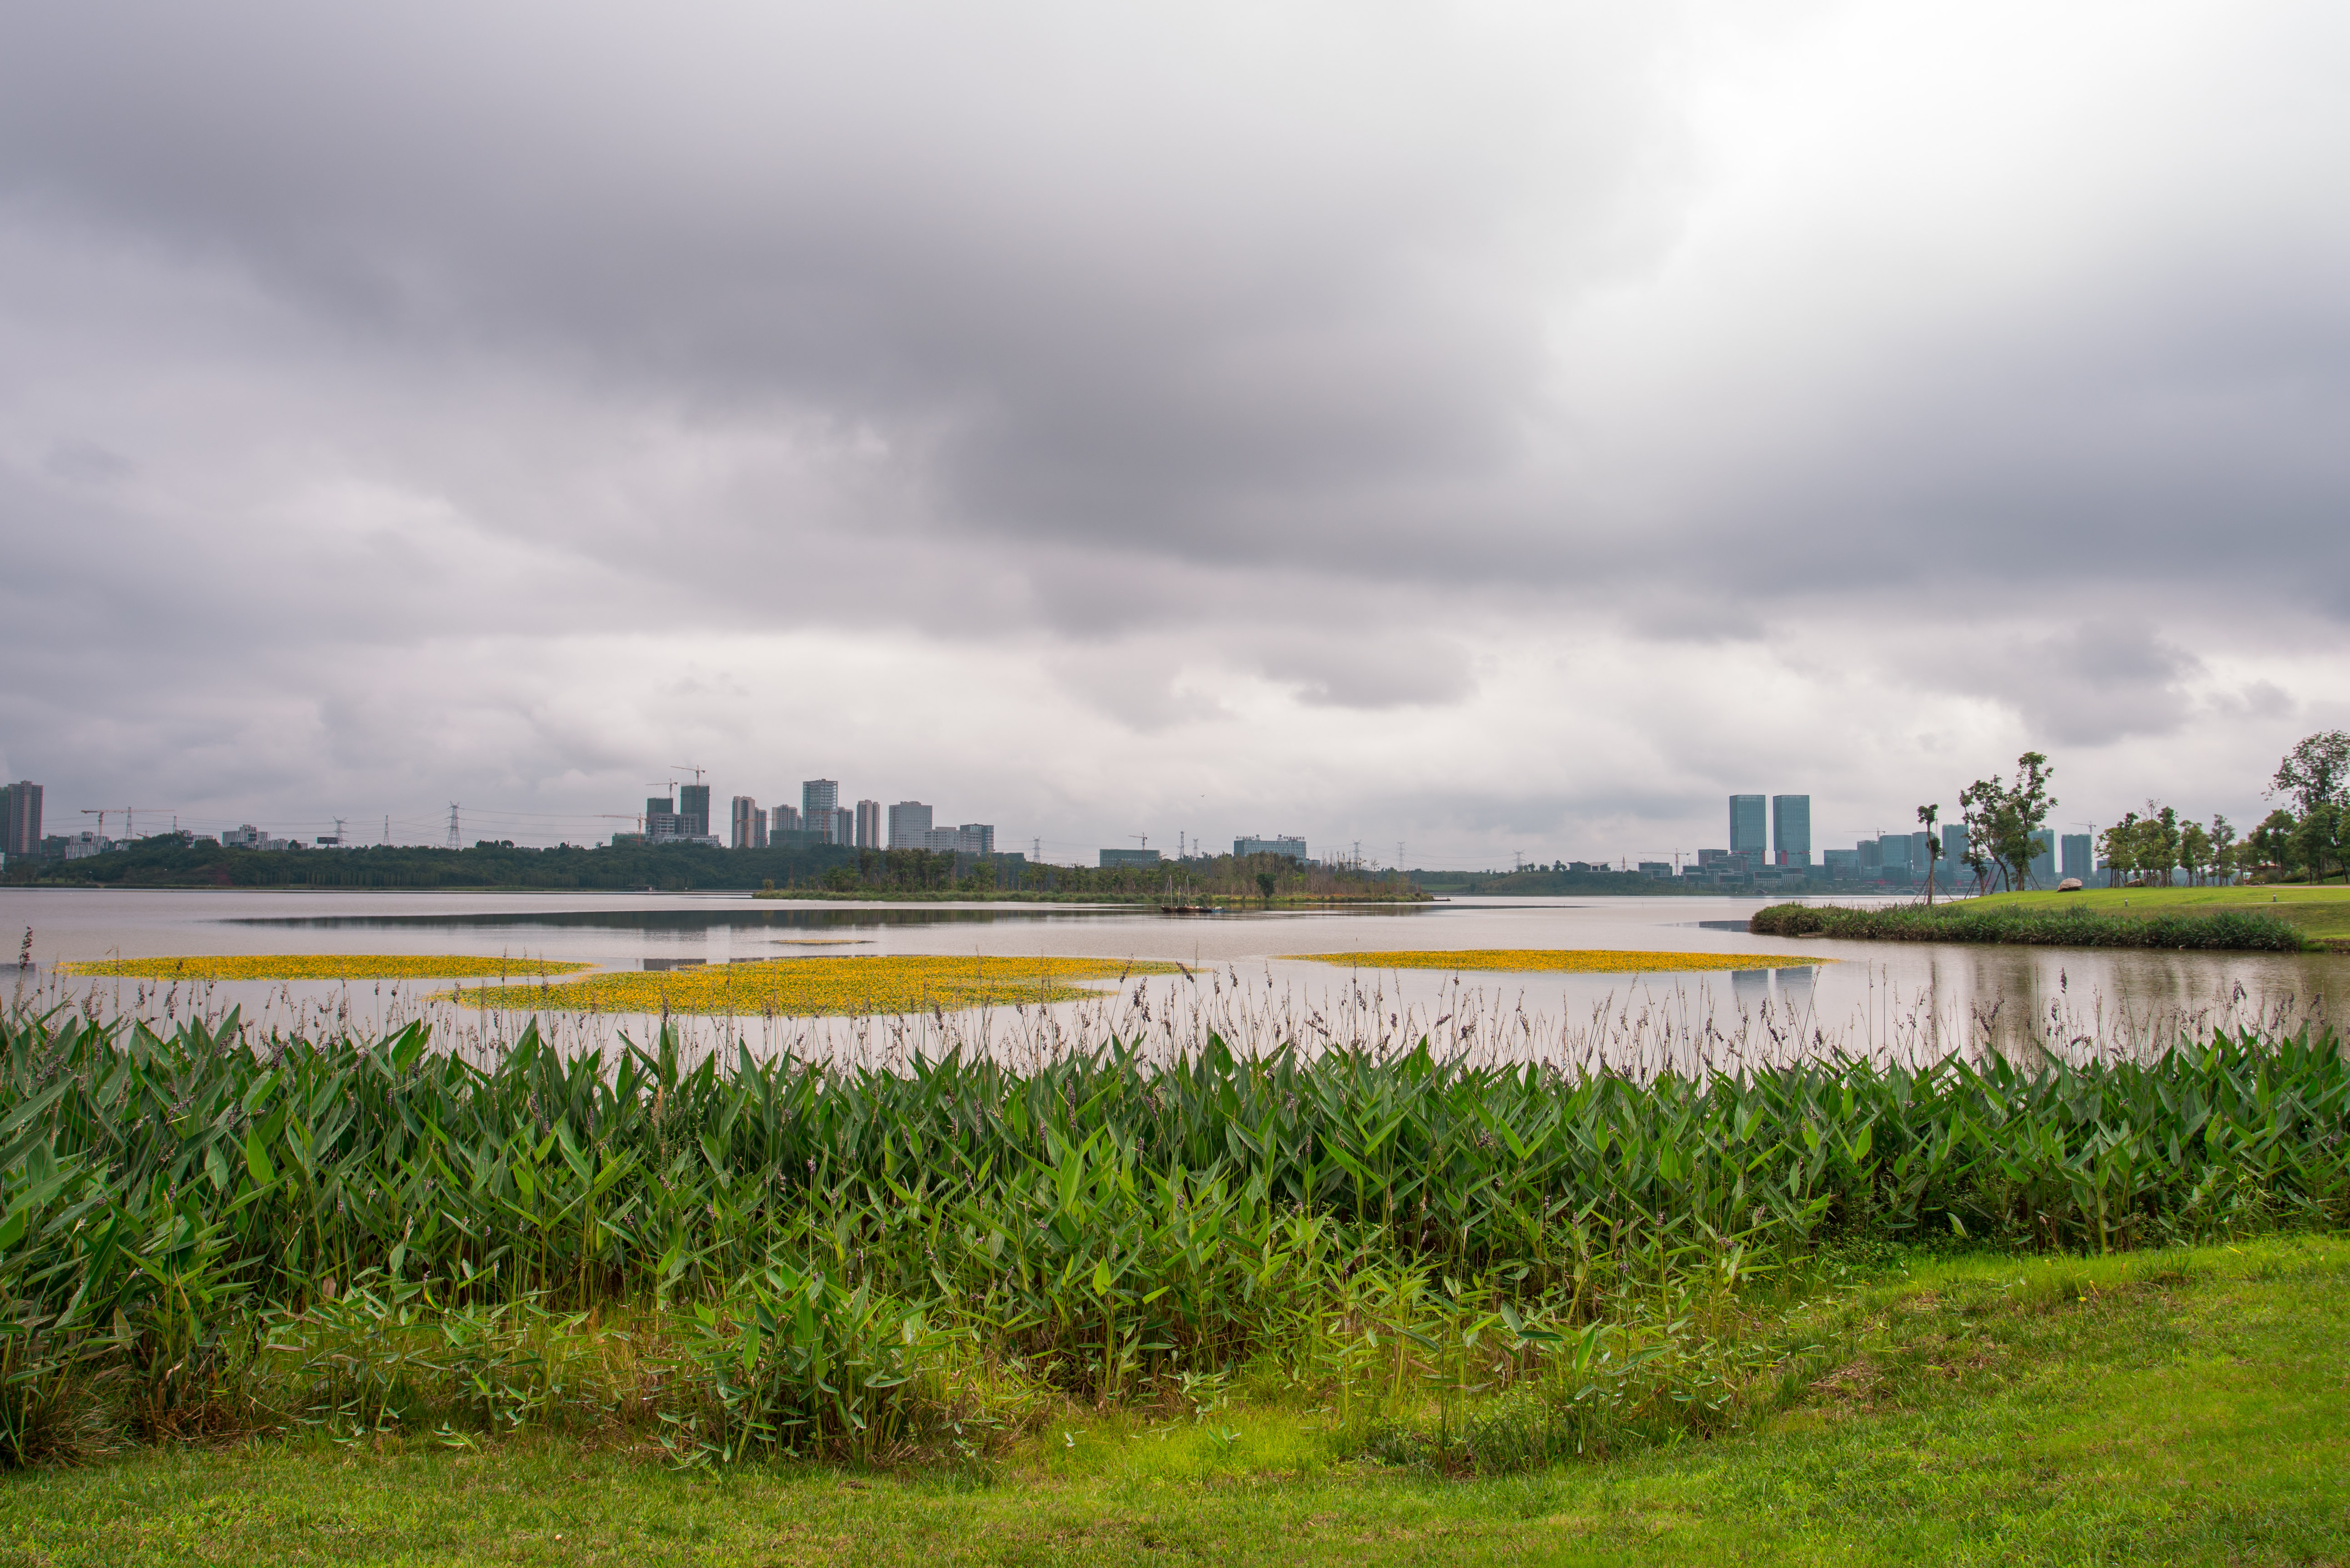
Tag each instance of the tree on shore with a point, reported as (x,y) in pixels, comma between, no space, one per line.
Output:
(2320,838)
(2315,777)
(1976,811)
(2004,819)
(1925,816)
(2194,851)
(2225,849)
(2161,830)
(2275,843)
(2118,846)
(2315,772)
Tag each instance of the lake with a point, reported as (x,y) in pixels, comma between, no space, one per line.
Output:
(1891,1000)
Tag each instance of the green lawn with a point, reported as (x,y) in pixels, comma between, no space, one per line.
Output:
(2184,1407)
(2322,911)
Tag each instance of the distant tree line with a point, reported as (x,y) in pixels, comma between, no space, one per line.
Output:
(2160,842)
(179,860)
(2005,826)
(1226,877)
(2307,839)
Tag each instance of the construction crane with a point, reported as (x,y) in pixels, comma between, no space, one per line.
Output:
(129,821)
(688,768)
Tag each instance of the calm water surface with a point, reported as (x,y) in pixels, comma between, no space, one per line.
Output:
(1883,998)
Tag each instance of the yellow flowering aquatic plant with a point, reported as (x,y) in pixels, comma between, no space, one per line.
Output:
(1552,960)
(815,987)
(319,966)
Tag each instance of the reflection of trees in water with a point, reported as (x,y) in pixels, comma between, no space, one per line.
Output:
(2031,1004)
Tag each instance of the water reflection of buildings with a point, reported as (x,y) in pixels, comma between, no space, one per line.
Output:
(1788,992)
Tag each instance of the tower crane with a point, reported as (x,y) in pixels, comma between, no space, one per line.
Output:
(129,821)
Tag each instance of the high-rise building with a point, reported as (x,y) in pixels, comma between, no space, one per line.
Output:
(1954,843)
(840,826)
(1893,851)
(909,825)
(782,820)
(750,824)
(693,811)
(1921,853)
(662,821)
(20,818)
(818,794)
(1748,834)
(1279,844)
(868,825)
(1791,829)
(2080,854)
(976,838)
(2043,858)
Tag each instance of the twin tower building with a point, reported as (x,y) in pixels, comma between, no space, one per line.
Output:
(1784,839)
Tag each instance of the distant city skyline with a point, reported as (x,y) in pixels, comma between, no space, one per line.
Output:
(1783,818)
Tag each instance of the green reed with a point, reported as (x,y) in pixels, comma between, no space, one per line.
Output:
(802,1256)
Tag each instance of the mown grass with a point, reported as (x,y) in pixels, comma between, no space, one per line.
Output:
(2322,911)
(2177,1407)
(2250,928)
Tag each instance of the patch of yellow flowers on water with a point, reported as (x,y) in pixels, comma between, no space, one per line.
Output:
(320,966)
(815,987)
(1569,960)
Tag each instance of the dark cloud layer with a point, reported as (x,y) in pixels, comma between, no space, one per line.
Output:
(476,399)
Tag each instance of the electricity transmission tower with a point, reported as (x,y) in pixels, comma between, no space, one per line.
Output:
(453,825)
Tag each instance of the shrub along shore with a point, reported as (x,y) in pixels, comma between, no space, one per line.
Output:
(2077,926)
(1502,1265)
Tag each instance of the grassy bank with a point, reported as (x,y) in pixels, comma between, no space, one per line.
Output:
(2063,921)
(2320,911)
(2172,1408)
(732,1260)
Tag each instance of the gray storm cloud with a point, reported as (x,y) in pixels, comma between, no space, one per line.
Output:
(474,399)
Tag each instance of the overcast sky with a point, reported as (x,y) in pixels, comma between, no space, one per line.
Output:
(1496,430)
